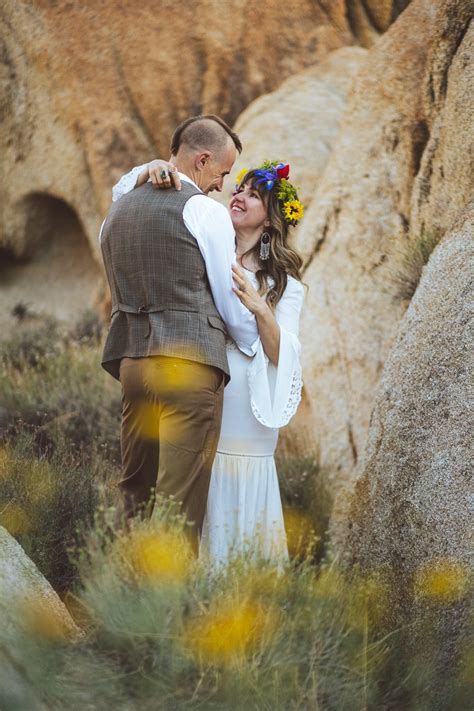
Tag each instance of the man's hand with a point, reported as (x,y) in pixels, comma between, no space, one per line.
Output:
(163,174)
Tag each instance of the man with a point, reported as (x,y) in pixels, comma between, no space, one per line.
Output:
(168,258)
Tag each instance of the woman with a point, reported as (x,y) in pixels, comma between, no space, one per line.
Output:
(244,511)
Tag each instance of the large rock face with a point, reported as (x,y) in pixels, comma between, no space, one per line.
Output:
(87,90)
(28,606)
(27,600)
(407,124)
(299,121)
(412,508)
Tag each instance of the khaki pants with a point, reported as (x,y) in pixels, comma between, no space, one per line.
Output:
(171,420)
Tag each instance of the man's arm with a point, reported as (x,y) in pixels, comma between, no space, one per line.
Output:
(209,222)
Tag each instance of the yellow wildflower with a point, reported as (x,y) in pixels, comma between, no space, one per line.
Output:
(14,519)
(230,631)
(46,621)
(158,555)
(442,581)
(300,532)
(293,210)
(240,175)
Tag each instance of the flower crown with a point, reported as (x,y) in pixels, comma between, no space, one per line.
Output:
(275,172)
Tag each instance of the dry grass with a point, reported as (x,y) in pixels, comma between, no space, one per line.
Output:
(405,277)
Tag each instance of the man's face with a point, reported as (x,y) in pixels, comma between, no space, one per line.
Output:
(217,168)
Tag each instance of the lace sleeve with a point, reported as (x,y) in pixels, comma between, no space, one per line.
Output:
(127,182)
(275,392)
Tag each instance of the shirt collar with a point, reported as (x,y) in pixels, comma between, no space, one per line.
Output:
(186,179)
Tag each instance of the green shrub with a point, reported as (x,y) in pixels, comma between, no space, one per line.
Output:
(163,632)
(306,496)
(415,255)
(47,503)
(56,388)
(161,635)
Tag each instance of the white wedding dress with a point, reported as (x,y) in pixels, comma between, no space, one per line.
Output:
(244,512)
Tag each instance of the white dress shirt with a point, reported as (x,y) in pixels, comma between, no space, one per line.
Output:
(210,224)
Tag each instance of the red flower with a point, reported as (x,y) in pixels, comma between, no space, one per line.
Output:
(283,172)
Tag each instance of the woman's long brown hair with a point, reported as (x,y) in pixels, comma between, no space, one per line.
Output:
(283,260)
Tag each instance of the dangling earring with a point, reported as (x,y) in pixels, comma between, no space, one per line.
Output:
(264,246)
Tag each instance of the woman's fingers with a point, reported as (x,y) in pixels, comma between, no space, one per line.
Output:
(239,276)
(175,178)
(163,175)
(241,294)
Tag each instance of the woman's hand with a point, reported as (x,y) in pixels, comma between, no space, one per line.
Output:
(246,292)
(268,328)
(162,175)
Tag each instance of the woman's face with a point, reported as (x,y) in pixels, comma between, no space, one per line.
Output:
(247,209)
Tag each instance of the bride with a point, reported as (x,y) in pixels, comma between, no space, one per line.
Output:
(244,512)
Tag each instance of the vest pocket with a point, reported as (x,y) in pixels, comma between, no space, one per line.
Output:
(216,322)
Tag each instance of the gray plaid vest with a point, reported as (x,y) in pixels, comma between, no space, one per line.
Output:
(161,298)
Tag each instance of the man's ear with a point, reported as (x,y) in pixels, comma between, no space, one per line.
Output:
(202,159)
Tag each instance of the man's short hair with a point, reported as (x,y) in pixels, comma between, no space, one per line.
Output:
(204,131)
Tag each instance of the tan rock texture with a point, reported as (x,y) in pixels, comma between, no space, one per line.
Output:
(28,606)
(24,590)
(89,89)
(413,504)
(299,121)
(405,145)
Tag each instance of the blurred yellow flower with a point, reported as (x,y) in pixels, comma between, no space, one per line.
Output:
(174,376)
(14,519)
(230,631)
(300,532)
(147,421)
(45,621)
(442,581)
(158,555)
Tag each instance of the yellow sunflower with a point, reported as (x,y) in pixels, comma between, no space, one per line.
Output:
(293,210)
(240,175)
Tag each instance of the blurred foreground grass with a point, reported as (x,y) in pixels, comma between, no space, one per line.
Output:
(161,631)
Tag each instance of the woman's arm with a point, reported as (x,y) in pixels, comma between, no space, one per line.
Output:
(268,327)
(161,173)
(269,331)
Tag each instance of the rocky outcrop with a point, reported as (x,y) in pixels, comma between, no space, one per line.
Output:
(29,607)
(89,90)
(375,200)
(411,502)
(299,122)
(369,18)
(28,603)
(412,508)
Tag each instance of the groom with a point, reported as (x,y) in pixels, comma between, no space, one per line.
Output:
(168,257)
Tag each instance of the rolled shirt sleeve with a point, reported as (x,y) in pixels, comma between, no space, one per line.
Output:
(210,224)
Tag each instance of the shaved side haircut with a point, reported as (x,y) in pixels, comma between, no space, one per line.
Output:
(204,132)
